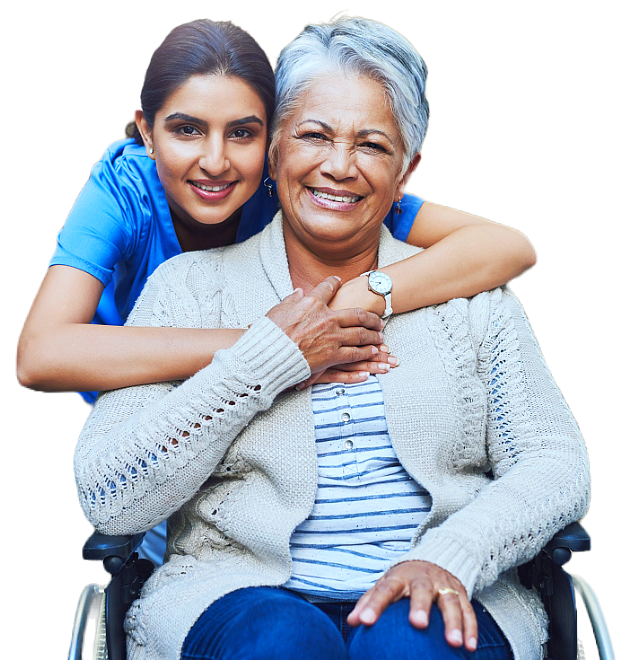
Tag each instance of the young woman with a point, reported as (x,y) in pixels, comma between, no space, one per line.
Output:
(194,177)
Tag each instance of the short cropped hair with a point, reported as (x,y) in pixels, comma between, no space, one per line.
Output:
(357,46)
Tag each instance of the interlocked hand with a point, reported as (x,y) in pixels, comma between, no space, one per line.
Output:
(327,338)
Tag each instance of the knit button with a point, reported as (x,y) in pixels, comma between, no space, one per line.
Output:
(348,444)
(346,417)
(340,391)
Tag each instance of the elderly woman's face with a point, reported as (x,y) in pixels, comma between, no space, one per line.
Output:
(338,161)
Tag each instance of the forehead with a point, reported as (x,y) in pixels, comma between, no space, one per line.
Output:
(346,102)
(214,96)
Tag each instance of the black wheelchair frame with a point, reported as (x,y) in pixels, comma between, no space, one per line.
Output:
(104,610)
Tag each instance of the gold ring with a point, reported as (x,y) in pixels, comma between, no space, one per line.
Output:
(447,590)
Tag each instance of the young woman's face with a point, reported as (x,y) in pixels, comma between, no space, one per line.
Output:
(209,141)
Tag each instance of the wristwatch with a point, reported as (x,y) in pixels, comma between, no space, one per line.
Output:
(381,284)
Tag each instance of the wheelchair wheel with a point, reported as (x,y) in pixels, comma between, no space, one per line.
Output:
(100,639)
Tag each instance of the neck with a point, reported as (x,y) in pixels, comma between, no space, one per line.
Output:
(310,265)
(205,237)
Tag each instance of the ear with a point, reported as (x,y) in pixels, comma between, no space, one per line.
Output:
(404,179)
(272,159)
(145,132)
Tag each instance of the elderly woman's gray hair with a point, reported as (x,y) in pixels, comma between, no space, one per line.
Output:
(357,46)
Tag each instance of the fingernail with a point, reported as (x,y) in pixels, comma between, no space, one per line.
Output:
(368,616)
(384,366)
(473,643)
(375,350)
(337,278)
(456,637)
(384,349)
(301,386)
(421,618)
(394,361)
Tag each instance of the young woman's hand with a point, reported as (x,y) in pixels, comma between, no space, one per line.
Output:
(357,372)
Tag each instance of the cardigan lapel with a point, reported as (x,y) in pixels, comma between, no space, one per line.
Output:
(274,257)
(257,277)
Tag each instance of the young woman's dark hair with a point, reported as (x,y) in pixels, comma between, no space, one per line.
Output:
(204,47)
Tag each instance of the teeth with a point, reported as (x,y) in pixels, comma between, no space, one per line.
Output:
(335,198)
(210,188)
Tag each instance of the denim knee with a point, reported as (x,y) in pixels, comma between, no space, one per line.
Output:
(394,638)
(263,623)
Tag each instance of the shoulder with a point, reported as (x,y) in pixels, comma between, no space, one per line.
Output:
(392,249)
(128,163)
(184,291)
(466,321)
(124,178)
(494,314)
(177,271)
(400,221)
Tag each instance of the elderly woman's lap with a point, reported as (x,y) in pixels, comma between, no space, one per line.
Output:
(265,623)
(393,638)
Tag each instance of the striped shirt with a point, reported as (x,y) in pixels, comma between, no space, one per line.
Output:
(367,507)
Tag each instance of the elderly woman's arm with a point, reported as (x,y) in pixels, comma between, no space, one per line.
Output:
(537,457)
(146,450)
(540,482)
(464,255)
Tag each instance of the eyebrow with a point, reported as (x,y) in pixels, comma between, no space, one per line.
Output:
(250,119)
(363,133)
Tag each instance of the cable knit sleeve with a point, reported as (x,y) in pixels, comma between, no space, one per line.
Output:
(537,458)
(146,450)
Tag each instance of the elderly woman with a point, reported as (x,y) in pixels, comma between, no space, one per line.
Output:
(383,519)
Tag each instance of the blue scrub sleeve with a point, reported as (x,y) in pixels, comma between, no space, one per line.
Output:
(400,224)
(96,235)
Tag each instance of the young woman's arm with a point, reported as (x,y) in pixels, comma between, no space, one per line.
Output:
(464,255)
(60,350)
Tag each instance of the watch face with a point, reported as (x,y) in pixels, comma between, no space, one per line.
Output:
(380,282)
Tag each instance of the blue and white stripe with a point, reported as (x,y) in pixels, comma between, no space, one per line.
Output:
(367,507)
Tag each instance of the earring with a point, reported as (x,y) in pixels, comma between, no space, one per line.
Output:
(397,209)
(270,186)
(151,150)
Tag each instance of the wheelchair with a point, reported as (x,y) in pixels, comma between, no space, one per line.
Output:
(98,629)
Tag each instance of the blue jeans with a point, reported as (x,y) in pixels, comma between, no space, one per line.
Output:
(266,623)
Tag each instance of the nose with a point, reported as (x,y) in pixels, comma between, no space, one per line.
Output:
(214,158)
(340,161)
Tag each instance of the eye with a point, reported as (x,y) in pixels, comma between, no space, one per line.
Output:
(314,136)
(241,134)
(374,146)
(187,130)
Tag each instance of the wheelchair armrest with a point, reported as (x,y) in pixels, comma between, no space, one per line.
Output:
(573,538)
(114,551)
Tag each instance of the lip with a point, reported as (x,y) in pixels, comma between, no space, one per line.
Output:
(332,204)
(209,195)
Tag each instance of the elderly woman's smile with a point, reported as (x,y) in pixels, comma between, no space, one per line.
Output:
(337,199)
(338,161)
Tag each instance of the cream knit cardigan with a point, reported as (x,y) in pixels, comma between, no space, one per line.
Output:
(229,456)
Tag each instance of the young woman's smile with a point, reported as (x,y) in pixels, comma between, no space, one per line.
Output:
(209,141)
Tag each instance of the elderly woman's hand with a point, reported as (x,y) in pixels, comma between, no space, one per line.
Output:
(326,337)
(421,582)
